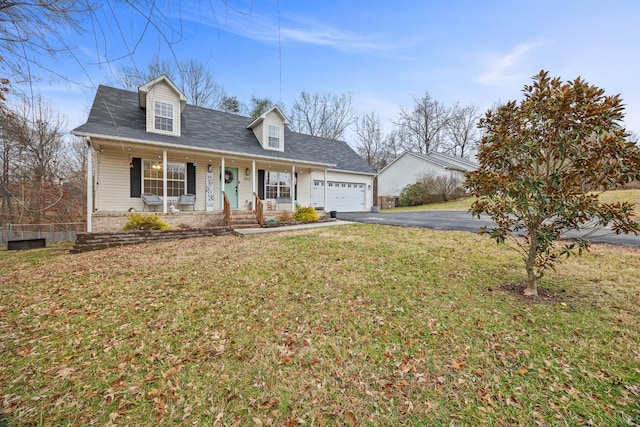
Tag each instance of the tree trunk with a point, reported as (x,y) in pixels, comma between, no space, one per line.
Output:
(532,281)
(532,277)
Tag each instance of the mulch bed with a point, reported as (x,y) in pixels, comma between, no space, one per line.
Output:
(544,295)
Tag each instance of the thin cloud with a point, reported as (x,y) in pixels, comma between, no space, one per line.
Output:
(504,68)
(295,29)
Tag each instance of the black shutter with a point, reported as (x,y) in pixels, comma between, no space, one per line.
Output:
(295,187)
(191,178)
(135,176)
(261,184)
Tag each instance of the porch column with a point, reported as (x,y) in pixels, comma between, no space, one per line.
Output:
(221,183)
(325,190)
(164,181)
(253,185)
(89,186)
(293,188)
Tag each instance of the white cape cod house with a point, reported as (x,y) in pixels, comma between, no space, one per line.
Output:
(153,144)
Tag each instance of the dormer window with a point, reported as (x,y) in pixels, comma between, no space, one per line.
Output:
(163,116)
(273,135)
(164,103)
(269,129)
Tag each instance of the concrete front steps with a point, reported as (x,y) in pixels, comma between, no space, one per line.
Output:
(243,219)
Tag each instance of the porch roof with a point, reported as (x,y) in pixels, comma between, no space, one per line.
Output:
(116,114)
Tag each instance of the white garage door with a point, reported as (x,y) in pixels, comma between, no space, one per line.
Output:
(341,196)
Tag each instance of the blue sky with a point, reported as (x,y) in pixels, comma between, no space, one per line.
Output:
(383,52)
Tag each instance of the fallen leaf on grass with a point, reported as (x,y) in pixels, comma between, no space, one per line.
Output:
(352,418)
(457,365)
(408,368)
(65,372)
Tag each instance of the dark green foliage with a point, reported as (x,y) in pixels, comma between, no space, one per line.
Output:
(539,158)
(431,189)
(414,195)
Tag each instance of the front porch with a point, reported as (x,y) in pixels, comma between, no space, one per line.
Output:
(104,222)
(121,180)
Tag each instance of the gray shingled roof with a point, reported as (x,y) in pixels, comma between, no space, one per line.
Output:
(116,114)
(449,161)
(441,159)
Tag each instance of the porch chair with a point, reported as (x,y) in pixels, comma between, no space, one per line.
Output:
(271,205)
(151,200)
(187,200)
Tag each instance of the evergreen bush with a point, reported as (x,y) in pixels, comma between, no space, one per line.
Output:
(305,214)
(137,221)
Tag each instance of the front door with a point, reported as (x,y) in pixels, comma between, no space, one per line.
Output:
(231,186)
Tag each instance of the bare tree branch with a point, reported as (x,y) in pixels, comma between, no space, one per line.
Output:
(423,126)
(462,130)
(370,141)
(323,115)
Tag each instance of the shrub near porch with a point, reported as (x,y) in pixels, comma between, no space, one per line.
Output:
(115,221)
(305,214)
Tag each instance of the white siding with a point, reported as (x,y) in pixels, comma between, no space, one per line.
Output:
(245,186)
(407,169)
(274,119)
(259,133)
(163,93)
(261,129)
(113,189)
(201,178)
(305,185)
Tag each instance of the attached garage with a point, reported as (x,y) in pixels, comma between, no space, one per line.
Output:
(341,196)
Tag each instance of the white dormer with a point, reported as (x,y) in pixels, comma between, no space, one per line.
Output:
(164,104)
(269,129)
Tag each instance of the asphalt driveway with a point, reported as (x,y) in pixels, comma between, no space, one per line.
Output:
(459,220)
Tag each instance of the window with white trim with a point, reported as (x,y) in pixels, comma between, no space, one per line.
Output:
(152,178)
(277,185)
(273,136)
(163,116)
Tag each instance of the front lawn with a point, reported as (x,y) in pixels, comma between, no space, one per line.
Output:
(631,196)
(347,325)
(453,205)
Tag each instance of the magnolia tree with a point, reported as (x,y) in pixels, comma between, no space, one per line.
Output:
(544,162)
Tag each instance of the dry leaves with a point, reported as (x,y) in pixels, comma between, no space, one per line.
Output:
(367,326)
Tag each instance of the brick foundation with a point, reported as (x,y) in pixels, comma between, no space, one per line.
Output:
(105,222)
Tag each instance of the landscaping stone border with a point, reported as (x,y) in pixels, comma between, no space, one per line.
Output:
(86,242)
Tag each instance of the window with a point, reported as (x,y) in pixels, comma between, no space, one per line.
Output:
(278,185)
(163,116)
(176,178)
(273,135)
